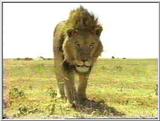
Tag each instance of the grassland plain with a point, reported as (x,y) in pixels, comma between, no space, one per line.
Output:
(116,88)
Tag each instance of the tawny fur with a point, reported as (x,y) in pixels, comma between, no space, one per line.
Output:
(76,48)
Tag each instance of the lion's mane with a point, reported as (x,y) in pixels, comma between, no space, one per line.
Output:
(80,19)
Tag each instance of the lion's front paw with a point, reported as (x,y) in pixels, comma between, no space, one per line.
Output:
(59,96)
(82,99)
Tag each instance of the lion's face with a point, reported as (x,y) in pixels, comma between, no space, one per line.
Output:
(81,49)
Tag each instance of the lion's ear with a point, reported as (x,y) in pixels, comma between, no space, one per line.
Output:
(71,32)
(98,50)
(98,30)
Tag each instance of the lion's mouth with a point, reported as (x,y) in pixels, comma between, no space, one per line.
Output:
(83,68)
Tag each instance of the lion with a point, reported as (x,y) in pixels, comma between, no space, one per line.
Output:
(76,48)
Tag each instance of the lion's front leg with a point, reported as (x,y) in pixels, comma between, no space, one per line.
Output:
(60,80)
(70,89)
(60,90)
(83,79)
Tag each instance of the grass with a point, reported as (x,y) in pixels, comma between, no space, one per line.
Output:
(125,88)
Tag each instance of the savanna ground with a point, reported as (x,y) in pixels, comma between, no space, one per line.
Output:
(123,88)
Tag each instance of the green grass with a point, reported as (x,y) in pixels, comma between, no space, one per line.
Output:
(116,88)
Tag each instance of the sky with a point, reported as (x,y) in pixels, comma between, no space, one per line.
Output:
(130,30)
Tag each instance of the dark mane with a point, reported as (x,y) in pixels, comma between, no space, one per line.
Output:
(81,19)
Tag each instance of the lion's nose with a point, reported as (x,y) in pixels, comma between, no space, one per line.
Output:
(84,60)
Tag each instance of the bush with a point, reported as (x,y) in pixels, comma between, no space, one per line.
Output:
(16,93)
(52,92)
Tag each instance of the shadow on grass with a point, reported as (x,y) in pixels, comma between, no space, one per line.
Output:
(98,108)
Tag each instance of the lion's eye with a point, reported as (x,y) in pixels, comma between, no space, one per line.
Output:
(91,45)
(78,44)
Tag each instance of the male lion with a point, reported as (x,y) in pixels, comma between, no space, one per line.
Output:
(76,47)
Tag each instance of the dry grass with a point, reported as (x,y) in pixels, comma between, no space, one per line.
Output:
(116,88)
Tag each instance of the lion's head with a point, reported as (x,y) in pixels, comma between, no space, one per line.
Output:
(82,43)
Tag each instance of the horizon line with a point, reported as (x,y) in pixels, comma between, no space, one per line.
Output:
(97,58)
